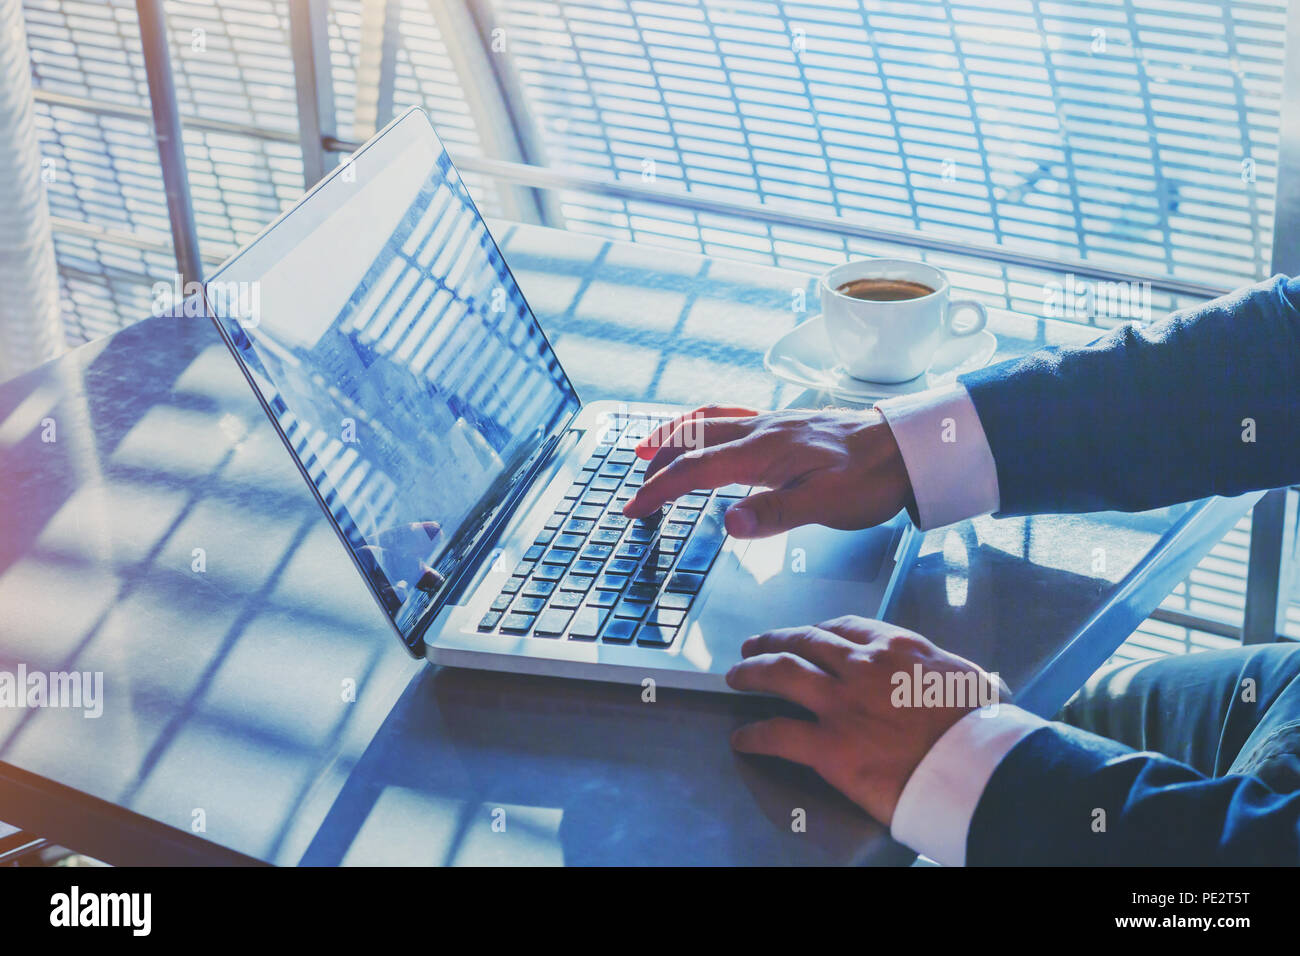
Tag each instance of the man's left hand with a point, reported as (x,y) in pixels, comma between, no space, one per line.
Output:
(844,670)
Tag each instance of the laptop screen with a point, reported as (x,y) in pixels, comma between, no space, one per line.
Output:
(394,351)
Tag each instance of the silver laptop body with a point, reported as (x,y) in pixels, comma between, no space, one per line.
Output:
(479,498)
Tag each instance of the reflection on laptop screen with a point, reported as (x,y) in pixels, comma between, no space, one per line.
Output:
(398,358)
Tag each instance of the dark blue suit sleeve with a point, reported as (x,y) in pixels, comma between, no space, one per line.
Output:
(1205,402)
(1066,797)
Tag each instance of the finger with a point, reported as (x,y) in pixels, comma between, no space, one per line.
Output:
(771,512)
(736,461)
(430,579)
(797,740)
(698,434)
(859,630)
(828,651)
(783,675)
(652,442)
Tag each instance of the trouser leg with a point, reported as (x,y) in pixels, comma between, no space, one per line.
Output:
(1228,711)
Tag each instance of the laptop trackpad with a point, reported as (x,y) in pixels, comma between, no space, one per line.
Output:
(801,577)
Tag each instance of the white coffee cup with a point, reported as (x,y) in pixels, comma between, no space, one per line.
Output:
(892,340)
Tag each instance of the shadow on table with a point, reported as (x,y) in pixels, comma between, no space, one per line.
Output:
(541,770)
(483,768)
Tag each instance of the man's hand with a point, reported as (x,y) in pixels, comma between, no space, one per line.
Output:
(841,469)
(863,741)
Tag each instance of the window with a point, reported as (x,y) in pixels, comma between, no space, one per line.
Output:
(1013,142)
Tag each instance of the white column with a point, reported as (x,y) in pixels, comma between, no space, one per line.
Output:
(31,328)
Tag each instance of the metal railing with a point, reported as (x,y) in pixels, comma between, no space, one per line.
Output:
(523,174)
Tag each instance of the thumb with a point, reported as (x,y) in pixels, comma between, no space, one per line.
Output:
(771,512)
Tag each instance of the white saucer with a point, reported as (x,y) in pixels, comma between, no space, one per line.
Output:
(803,356)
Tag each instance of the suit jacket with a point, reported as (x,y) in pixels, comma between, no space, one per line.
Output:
(1206,402)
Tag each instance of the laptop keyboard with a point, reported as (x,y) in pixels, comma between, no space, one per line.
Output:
(594,574)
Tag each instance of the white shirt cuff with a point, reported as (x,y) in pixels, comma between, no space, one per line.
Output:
(946,453)
(938,802)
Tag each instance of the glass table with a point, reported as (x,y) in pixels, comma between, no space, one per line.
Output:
(256,706)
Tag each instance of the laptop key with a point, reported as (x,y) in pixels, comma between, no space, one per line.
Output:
(605,536)
(611,582)
(580,526)
(597,552)
(576,582)
(566,540)
(652,520)
(528,605)
(511,586)
(523,569)
(533,553)
(620,566)
(641,535)
(681,581)
(642,592)
(675,529)
(604,484)
(618,631)
(544,538)
(539,588)
(633,610)
(632,551)
(549,572)
(596,498)
(602,598)
(588,512)
(733,491)
(653,636)
(616,521)
(704,545)
(552,622)
(566,599)
(516,623)
(501,602)
(663,617)
(586,566)
(649,575)
(489,621)
(586,624)
(675,601)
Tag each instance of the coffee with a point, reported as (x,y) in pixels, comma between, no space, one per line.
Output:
(884,290)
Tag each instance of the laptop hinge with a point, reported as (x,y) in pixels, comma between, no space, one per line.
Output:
(470,564)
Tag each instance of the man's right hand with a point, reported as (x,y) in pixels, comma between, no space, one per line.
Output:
(837,468)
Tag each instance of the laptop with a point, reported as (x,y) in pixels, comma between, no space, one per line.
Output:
(478,496)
